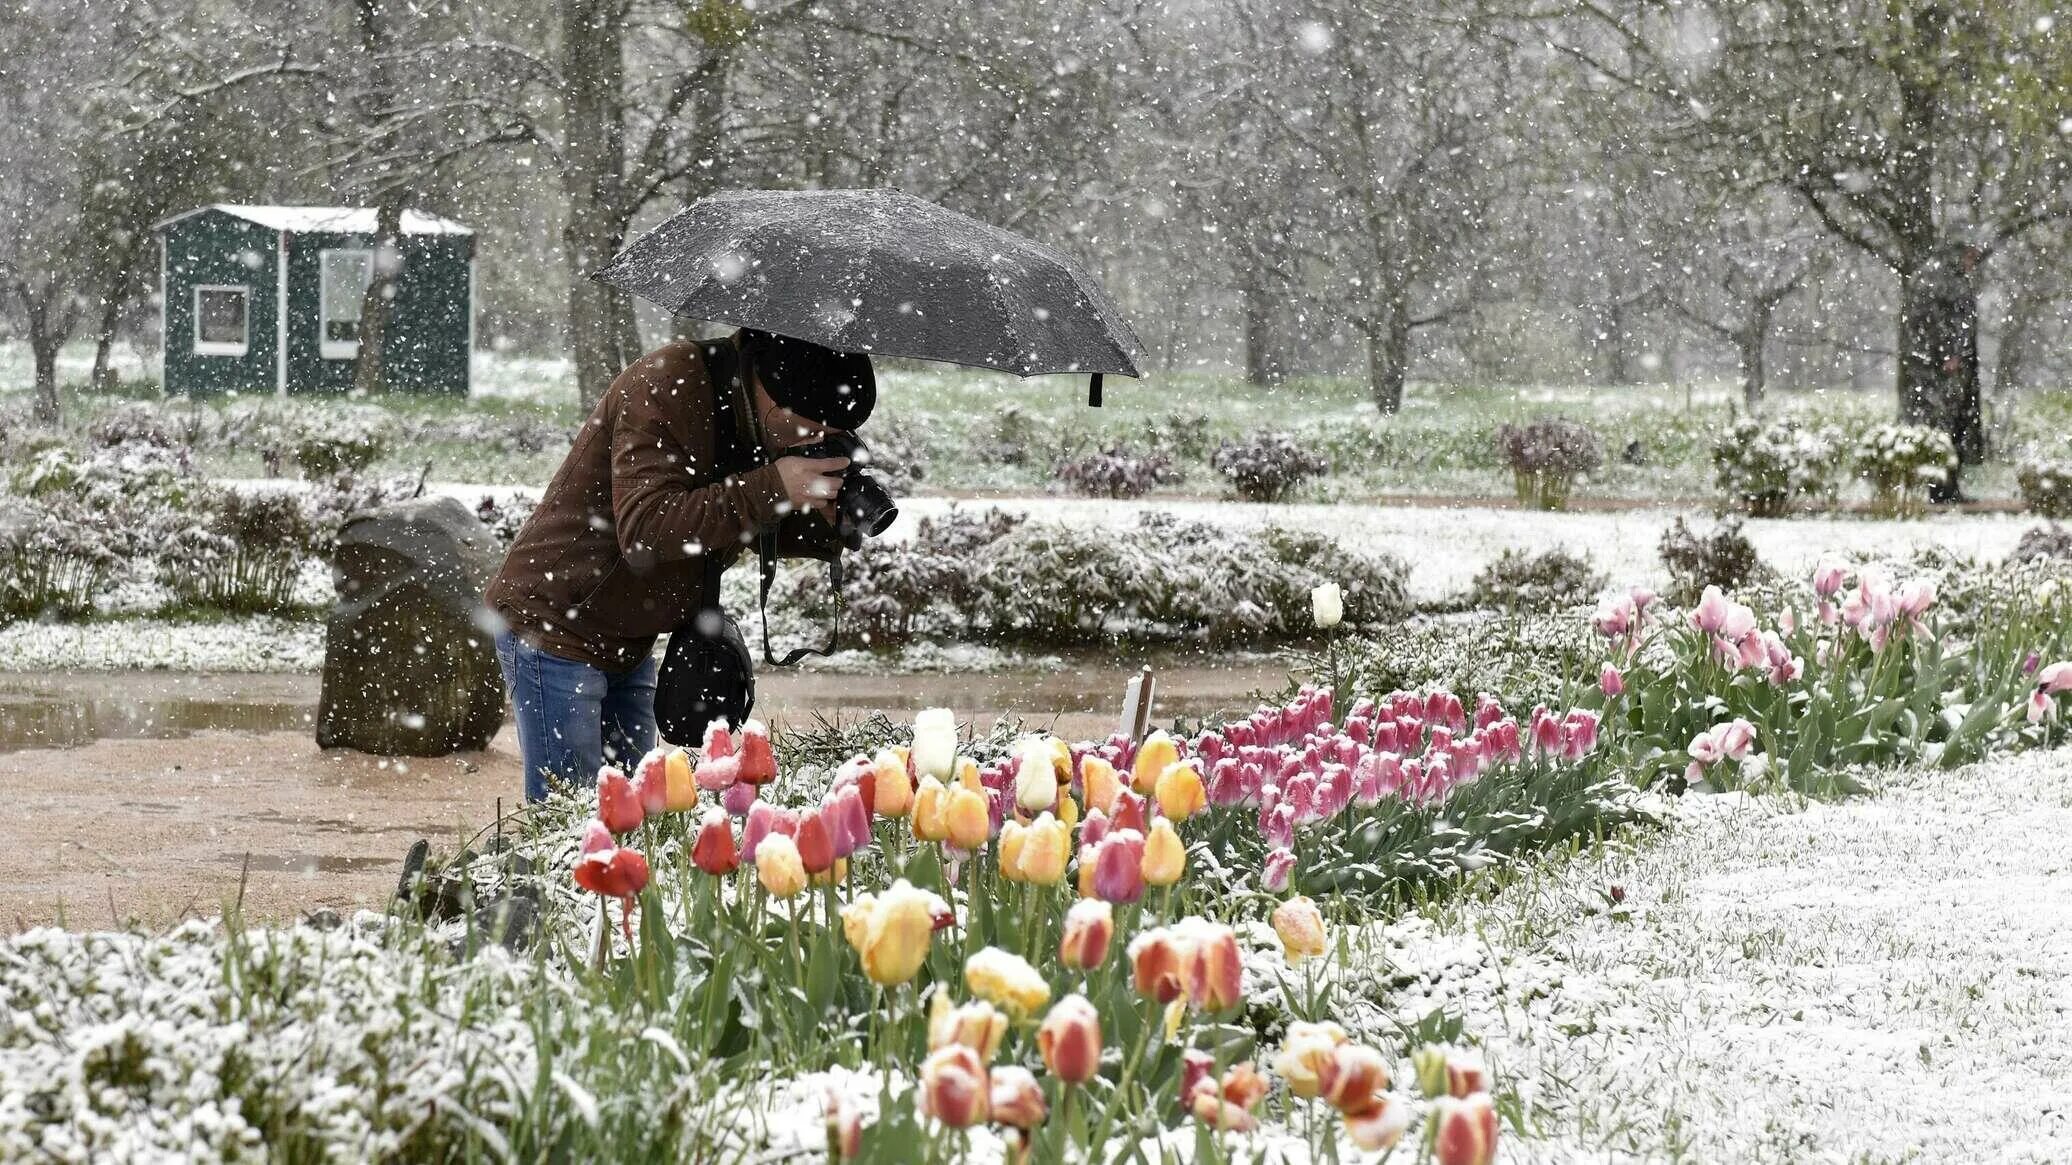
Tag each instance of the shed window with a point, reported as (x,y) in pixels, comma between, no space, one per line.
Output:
(343,288)
(222,320)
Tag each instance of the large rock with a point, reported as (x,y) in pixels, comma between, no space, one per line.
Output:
(409,658)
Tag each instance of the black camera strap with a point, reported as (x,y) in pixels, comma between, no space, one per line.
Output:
(766,549)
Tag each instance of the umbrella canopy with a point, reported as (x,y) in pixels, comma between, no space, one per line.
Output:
(880,272)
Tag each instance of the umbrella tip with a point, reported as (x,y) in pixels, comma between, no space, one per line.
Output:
(1093,391)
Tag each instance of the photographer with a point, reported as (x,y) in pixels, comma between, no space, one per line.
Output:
(678,469)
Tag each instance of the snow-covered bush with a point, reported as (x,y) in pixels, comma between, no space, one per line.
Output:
(1267,467)
(51,565)
(1116,472)
(1901,463)
(1516,580)
(240,553)
(2046,487)
(506,517)
(1546,457)
(2043,543)
(1724,558)
(1767,470)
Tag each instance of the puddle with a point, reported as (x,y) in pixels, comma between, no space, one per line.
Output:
(69,709)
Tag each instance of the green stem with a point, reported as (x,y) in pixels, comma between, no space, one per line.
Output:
(1122,1083)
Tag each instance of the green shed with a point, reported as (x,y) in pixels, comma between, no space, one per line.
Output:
(267,299)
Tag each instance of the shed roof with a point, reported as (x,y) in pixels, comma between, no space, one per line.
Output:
(351,220)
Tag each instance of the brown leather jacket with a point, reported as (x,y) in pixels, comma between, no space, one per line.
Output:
(615,555)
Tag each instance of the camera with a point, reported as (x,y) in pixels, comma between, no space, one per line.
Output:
(863,508)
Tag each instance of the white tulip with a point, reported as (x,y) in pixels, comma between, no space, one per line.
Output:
(1327,604)
(935,743)
(1036,777)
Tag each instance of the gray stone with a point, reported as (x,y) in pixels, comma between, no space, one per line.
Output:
(409,655)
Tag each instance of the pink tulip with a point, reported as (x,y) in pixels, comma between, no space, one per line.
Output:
(1546,732)
(1738,738)
(1092,828)
(1710,615)
(1278,826)
(738,798)
(1119,866)
(1227,782)
(2056,678)
(1916,597)
(1827,580)
(1611,682)
(1279,870)
(849,823)
(2041,706)
(1579,734)
(765,819)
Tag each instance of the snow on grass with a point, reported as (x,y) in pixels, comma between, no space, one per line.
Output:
(1882,979)
(250,644)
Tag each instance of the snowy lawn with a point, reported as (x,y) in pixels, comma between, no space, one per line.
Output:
(1880,979)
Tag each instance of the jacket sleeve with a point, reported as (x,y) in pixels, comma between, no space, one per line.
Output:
(661,442)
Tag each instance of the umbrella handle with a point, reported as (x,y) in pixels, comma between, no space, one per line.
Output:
(1093,391)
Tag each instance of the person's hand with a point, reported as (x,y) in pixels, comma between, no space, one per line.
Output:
(811,483)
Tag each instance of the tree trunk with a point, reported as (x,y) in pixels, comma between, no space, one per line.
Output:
(1938,356)
(1263,364)
(370,363)
(601,334)
(1388,352)
(44,348)
(1749,344)
(120,285)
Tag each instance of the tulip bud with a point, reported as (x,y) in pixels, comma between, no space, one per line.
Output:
(1301,928)
(930,821)
(714,850)
(1279,870)
(1035,776)
(1097,778)
(1046,848)
(651,783)
(848,820)
(1008,980)
(967,820)
(1327,606)
(1218,981)
(719,774)
(678,781)
(977,1025)
(954,1087)
(1089,928)
(618,804)
(1465,1130)
(1129,811)
(1017,1099)
(892,791)
(1429,1062)
(1070,1040)
(738,799)
(1153,756)
(1160,964)
(779,867)
(1165,857)
(1611,682)
(935,743)
(1180,792)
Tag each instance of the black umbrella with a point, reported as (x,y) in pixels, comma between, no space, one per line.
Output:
(880,272)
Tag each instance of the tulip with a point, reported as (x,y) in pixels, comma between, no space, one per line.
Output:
(935,743)
(738,799)
(967,821)
(651,783)
(1304,1053)
(891,931)
(1070,1040)
(1737,738)
(1827,580)
(1165,857)
(892,791)
(977,1025)
(719,773)
(1160,964)
(816,845)
(679,782)
(1153,756)
(1008,980)
(2041,706)
(848,820)
(1301,928)
(1378,1126)
(954,1087)
(713,851)
(930,821)
(1118,866)
(1326,606)
(1228,1107)
(763,819)
(1465,1130)
(758,760)
(1180,791)
(618,804)
(1710,615)
(844,1125)
(1611,682)
(779,866)
(607,868)
(1279,870)
(1351,1079)
(1465,1076)
(1013,836)
(1129,811)
(1093,829)
(1089,928)
(1219,978)
(2055,679)
(1035,776)
(1047,844)
(1097,778)
(1017,1099)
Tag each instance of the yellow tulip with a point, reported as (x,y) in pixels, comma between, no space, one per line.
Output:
(967,775)
(1101,784)
(1013,835)
(930,800)
(1180,791)
(1060,759)
(777,864)
(1165,858)
(967,818)
(1153,756)
(1308,1048)
(1068,810)
(1301,927)
(681,790)
(1007,980)
(892,791)
(1046,846)
(977,1025)
(890,931)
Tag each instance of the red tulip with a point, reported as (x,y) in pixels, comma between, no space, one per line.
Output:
(718,741)
(611,870)
(651,783)
(954,1086)
(1466,1130)
(816,844)
(618,805)
(1119,866)
(758,761)
(1129,812)
(714,850)
(1070,1040)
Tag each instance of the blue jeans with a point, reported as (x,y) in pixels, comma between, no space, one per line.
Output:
(574,718)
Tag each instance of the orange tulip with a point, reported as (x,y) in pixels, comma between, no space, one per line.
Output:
(1089,928)
(1153,756)
(1219,981)
(1180,791)
(1194,958)
(1301,928)
(1098,780)
(1165,856)
(1017,1099)
(892,790)
(955,1088)
(977,1025)
(931,799)
(1159,965)
(967,819)
(1070,1040)
(1466,1130)
(1227,1107)
(1352,1077)
(1013,835)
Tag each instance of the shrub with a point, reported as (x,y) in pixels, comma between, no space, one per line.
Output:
(2043,544)
(1546,457)
(51,563)
(1115,473)
(1901,462)
(1266,468)
(1724,558)
(1184,436)
(322,456)
(505,518)
(2046,487)
(1548,581)
(1766,470)
(242,554)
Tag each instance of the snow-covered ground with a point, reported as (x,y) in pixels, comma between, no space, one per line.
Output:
(1883,979)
